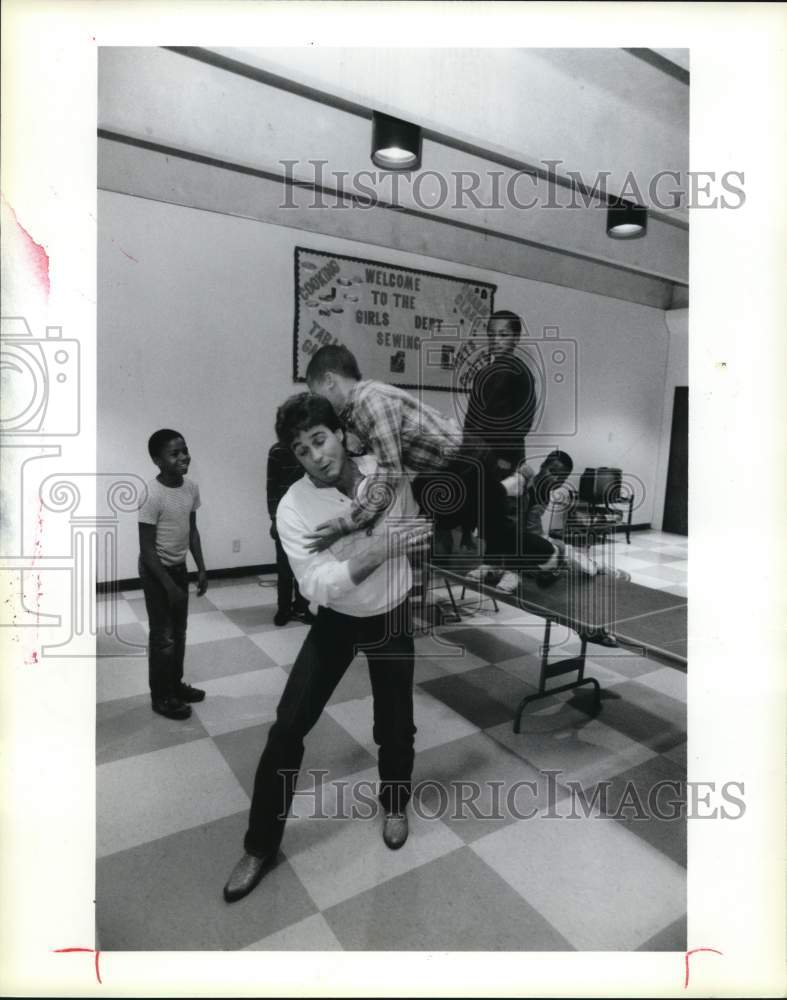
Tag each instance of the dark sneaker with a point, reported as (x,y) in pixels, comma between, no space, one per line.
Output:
(186,692)
(281,617)
(171,708)
(304,615)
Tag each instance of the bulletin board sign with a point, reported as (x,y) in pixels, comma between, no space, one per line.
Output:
(410,328)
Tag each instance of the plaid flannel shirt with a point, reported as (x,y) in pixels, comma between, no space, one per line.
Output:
(404,435)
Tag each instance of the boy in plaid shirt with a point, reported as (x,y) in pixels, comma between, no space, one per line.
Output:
(456,482)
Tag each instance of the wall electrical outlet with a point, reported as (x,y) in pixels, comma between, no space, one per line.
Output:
(236,544)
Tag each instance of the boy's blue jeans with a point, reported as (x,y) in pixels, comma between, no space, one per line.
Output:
(329,648)
(167,640)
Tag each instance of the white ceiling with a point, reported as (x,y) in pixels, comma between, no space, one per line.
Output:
(592,109)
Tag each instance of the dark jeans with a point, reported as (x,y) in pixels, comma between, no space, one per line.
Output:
(167,640)
(287,591)
(327,651)
(468,493)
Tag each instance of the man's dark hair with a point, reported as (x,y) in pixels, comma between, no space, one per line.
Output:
(510,317)
(334,358)
(158,440)
(301,413)
(560,456)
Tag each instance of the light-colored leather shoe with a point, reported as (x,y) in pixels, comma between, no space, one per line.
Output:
(395,830)
(245,876)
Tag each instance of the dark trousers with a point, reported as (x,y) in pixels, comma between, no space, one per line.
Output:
(287,593)
(327,651)
(167,640)
(467,493)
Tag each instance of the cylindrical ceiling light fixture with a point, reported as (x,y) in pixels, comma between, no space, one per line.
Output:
(396,145)
(625,220)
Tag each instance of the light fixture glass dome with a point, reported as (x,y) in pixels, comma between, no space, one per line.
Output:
(396,144)
(625,220)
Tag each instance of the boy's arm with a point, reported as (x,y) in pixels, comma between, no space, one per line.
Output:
(195,547)
(379,420)
(147,548)
(321,576)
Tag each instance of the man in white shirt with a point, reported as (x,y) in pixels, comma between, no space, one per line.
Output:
(361,585)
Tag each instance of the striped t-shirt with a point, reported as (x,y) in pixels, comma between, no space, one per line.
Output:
(169,508)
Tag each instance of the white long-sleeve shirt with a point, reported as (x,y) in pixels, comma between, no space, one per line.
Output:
(324,577)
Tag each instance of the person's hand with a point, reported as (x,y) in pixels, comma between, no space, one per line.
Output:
(352,444)
(273,532)
(177,597)
(407,539)
(202,583)
(323,536)
(504,465)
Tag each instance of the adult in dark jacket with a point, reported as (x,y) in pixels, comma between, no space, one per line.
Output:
(502,403)
(500,411)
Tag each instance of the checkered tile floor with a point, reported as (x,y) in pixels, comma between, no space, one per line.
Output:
(533,874)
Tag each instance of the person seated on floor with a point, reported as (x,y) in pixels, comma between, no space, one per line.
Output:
(529,509)
(361,584)
(407,436)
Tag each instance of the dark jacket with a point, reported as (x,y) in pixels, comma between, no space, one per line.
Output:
(284,469)
(502,406)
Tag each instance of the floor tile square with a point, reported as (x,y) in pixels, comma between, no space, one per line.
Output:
(328,748)
(475,785)
(650,802)
(644,579)
(209,627)
(667,681)
(679,589)
(122,676)
(527,669)
(355,684)
(197,606)
(642,714)
(422,910)
(486,643)
(674,937)
(258,618)
(678,755)
(166,895)
(128,726)
(241,700)
(448,657)
(242,595)
(336,858)
(667,573)
(486,696)
(609,871)
(208,661)
(311,934)
(581,749)
(113,610)
(156,794)
(283,644)
(125,640)
(435,722)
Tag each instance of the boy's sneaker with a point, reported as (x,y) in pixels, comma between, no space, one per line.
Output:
(508,582)
(171,708)
(185,692)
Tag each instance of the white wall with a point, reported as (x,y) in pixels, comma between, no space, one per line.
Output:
(676,373)
(195,319)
